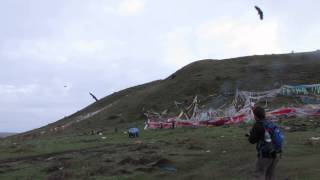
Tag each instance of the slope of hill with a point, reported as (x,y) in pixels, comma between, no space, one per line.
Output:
(203,78)
(66,150)
(6,134)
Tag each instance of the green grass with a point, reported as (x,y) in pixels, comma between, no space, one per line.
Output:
(201,153)
(22,171)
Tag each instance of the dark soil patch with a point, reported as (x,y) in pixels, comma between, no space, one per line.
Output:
(145,169)
(121,172)
(108,160)
(142,147)
(59,175)
(102,170)
(150,152)
(58,165)
(162,162)
(195,147)
(140,161)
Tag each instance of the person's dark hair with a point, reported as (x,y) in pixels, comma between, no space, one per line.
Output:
(259,112)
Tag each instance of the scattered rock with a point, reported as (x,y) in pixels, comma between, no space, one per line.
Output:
(287,128)
(168,168)
(50,158)
(138,142)
(315,138)
(313,141)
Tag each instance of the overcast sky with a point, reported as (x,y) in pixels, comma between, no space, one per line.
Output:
(54,52)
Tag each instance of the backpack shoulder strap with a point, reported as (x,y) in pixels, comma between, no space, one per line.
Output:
(267,124)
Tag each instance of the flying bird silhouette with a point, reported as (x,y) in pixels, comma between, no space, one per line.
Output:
(93,96)
(259,12)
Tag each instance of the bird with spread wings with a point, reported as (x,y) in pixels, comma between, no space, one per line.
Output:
(93,96)
(260,12)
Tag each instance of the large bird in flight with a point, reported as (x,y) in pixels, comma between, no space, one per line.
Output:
(259,12)
(93,96)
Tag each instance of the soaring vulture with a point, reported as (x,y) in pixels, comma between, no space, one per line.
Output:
(259,12)
(94,97)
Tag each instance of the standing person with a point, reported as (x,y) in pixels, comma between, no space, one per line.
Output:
(173,124)
(268,138)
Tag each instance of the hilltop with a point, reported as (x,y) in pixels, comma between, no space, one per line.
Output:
(206,78)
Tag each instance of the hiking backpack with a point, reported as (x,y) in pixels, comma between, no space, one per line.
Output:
(274,144)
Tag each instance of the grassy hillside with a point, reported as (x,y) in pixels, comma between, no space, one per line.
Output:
(5,134)
(186,153)
(203,78)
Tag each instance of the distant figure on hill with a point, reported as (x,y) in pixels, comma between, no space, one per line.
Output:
(269,139)
(173,124)
(116,130)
